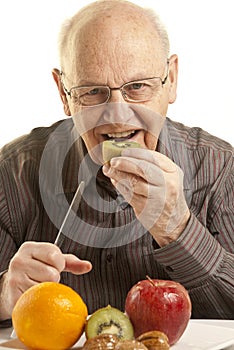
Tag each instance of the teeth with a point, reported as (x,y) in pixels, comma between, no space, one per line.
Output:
(121,134)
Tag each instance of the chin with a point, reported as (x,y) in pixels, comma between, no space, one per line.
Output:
(95,152)
(96,157)
(150,142)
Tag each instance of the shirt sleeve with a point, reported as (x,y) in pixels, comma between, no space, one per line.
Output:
(5,323)
(202,259)
(7,244)
(8,202)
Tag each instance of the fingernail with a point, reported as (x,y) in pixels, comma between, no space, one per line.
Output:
(88,266)
(105,169)
(114,162)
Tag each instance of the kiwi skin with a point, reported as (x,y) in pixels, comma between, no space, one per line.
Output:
(111,148)
(109,320)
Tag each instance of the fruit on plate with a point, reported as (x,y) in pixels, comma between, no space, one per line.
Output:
(49,315)
(161,305)
(112,148)
(111,321)
(154,340)
(101,342)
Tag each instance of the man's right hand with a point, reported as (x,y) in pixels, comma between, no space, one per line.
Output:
(35,262)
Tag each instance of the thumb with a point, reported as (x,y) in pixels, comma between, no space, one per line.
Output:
(75,265)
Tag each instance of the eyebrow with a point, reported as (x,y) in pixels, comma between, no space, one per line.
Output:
(88,83)
(91,83)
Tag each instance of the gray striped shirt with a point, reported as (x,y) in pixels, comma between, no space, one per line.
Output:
(39,174)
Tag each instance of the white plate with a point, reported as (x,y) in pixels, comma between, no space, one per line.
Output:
(199,336)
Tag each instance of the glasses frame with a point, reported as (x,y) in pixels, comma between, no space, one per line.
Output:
(124,94)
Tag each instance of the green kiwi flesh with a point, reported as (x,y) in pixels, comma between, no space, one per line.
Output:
(109,320)
(111,148)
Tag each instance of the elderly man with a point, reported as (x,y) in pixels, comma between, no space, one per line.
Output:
(164,209)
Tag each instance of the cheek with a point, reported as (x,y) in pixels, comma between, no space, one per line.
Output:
(164,106)
(155,121)
(89,138)
(85,121)
(93,146)
(150,141)
(73,108)
(160,104)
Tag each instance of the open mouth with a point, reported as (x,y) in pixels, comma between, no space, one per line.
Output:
(121,136)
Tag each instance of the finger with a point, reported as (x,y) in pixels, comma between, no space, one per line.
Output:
(130,185)
(154,157)
(147,211)
(12,289)
(140,201)
(30,269)
(75,265)
(18,283)
(47,253)
(130,167)
(25,283)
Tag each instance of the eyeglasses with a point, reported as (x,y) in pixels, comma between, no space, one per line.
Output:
(133,91)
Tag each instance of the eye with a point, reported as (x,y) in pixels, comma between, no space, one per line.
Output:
(93,91)
(136,86)
(93,95)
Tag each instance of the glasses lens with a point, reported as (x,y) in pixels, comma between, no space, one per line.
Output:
(141,90)
(90,96)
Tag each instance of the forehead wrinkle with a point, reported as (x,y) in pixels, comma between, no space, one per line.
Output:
(89,38)
(113,63)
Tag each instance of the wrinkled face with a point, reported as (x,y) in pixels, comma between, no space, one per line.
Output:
(113,51)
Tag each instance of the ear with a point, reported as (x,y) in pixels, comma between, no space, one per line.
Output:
(172,77)
(57,78)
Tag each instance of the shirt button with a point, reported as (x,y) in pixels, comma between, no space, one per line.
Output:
(109,258)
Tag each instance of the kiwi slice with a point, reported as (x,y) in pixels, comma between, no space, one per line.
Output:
(109,320)
(111,148)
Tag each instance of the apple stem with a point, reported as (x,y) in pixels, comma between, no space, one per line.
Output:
(151,281)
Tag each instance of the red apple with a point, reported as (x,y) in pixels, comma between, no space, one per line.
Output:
(159,305)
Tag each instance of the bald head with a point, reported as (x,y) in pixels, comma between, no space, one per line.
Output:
(113,53)
(100,24)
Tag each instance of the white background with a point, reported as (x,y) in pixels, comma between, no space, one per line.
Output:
(201,33)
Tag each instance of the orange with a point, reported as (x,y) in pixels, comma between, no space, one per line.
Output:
(49,316)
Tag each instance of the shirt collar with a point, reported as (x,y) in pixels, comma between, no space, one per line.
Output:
(164,144)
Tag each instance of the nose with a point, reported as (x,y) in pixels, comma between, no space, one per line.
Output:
(116,95)
(118,112)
